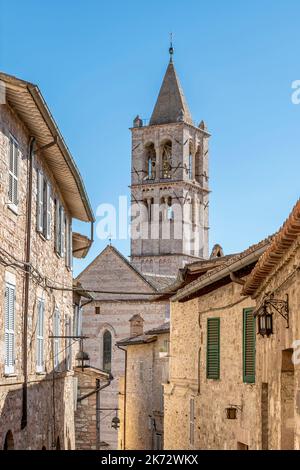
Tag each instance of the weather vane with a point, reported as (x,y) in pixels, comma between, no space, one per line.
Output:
(171,48)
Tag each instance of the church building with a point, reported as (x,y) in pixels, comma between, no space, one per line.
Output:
(169,229)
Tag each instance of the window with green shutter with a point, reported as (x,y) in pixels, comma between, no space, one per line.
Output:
(249,337)
(213,348)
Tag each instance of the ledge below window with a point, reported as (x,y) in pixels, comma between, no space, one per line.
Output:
(81,245)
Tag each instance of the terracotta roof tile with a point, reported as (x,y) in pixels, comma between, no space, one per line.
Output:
(282,241)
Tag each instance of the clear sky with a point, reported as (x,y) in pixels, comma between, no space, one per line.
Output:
(99,64)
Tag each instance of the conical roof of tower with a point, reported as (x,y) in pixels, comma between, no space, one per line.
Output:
(171,105)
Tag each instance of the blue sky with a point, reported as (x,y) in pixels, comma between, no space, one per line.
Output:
(99,64)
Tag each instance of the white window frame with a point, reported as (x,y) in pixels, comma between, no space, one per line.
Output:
(40,365)
(9,325)
(13,173)
(68,231)
(56,341)
(43,206)
(61,231)
(68,332)
(77,320)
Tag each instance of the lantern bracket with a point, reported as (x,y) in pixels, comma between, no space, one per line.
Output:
(280,306)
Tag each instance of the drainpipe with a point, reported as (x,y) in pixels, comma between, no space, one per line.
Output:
(125,395)
(27,283)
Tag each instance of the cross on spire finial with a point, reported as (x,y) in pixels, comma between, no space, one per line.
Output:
(171,48)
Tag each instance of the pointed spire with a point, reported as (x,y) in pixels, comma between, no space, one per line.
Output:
(171,105)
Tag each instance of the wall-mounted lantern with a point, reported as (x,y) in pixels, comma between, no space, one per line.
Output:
(265,323)
(115,423)
(265,313)
(231,411)
(82,359)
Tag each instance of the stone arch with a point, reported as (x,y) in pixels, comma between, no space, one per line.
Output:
(9,441)
(166,148)
(106,327)
(106,351)
(150,160)
(191,159)
(198,176)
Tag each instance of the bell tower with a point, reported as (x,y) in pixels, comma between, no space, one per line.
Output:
(169,184)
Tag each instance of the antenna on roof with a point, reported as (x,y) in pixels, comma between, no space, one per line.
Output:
(171,48)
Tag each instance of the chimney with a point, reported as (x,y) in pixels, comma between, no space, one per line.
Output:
(136,325)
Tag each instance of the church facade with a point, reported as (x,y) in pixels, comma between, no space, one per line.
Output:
(169,228)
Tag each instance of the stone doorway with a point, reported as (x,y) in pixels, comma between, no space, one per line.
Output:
(9,441)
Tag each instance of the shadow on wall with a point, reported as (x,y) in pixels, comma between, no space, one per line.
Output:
(49,402)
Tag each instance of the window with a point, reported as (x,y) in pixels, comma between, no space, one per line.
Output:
(190,169)
(14,159)
(107,353)
(40,336)
(68,332)
(10,301)
(68,248)
(192,421)
(213,348)
(56,341)
(167,160)
(151,161)
(97,310)
(63,234)
(170,211)
(43,206)
(77,320)
(248,346)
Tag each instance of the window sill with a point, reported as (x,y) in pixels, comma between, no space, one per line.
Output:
(13,208)
(10,375)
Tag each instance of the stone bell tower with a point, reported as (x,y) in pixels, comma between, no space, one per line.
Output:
(169,184)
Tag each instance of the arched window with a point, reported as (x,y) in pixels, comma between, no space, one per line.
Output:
(151,161)
(190,166)
(167,160)
(191,161)
(107,344)
(170,211)
(9,441)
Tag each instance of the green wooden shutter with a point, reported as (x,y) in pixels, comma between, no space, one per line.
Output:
(213,348)
(248,346)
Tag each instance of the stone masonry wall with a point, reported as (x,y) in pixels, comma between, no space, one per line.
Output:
(211,397)
(42,417)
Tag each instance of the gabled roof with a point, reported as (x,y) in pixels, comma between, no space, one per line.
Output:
(100,274)
(27,101)
(282,241)
(171,105)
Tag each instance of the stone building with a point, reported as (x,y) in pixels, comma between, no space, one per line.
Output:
(41,192)
(113,316)
(212,359)
(141,405)
(274,286)
(169,227)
